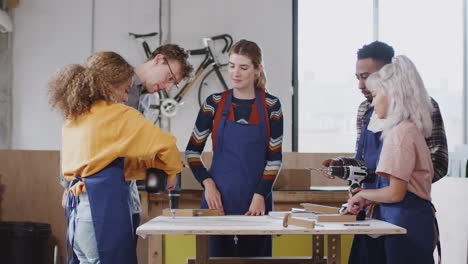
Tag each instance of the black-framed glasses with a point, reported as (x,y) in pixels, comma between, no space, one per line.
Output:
(172,74)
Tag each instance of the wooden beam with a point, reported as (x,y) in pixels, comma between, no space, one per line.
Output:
(334,249)
(155,249)
(289,220)
(318,197)
(202,249)
(317,247)
(321,209)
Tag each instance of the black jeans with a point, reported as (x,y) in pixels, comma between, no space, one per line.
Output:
(136,222)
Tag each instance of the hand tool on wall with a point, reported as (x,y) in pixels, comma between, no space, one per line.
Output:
(156,181)
(355,176)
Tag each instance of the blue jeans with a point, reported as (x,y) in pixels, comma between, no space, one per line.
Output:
(81,231)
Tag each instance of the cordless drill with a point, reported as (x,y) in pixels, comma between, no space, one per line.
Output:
(156,181)
(355,176)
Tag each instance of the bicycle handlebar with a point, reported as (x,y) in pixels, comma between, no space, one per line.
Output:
(197,51)
(227,41)
(152,34)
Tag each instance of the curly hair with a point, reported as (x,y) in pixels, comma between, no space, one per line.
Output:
(376,50)
(251,50)
(74,88)
(174,52)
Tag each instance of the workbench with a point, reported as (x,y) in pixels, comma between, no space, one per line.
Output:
(202,227)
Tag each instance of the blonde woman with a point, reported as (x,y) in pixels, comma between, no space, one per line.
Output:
(403,194)
(103,140)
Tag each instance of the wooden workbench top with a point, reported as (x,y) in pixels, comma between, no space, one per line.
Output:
(255,225)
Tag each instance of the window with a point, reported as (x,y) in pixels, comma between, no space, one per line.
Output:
(329,35)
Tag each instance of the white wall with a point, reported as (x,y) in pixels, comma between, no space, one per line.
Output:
(267,22)
(51,33)
(47,34)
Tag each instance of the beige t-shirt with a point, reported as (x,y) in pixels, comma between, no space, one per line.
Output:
(405,155)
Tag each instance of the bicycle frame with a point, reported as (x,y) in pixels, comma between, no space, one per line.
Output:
(209,60)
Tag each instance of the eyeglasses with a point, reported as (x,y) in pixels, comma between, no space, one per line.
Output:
(172,74)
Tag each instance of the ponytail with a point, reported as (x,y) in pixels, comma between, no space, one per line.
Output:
(260,81)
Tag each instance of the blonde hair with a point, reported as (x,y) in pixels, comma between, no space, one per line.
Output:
(254,53)
(74,88)
(407,96)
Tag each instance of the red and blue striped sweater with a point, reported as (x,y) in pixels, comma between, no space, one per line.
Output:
(243,113)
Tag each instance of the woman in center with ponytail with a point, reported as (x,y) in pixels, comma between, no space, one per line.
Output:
(246,124)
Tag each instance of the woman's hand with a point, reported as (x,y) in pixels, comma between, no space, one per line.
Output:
(171,184)
(212,195)
(64,198)
(351,192)
(355,204)
(257,206)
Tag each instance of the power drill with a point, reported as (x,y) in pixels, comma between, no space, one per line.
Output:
(156,181)
(355,176)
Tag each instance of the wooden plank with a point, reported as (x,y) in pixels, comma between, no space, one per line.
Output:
(191,212)
(202,249)
(336,218)
(260,260)
(316,197)
(289,220)
(334,249)
(317,208)
(155,250)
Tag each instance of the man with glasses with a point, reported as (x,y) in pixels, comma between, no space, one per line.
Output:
(167,66)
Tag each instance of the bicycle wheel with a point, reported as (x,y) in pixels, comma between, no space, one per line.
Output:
(211,83)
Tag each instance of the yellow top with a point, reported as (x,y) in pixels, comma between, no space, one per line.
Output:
(109,131)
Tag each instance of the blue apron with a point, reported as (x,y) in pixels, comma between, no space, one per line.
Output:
(369,147)
(413,213)
(239,159)
(109,198)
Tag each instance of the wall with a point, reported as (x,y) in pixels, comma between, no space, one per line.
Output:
(48,34)
(5,90)
(51,33)
(267,22)
(30,193)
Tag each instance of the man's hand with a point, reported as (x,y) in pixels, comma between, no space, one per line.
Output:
(212,195)
(331,162)
(257,206)
(171,184)
(328,163)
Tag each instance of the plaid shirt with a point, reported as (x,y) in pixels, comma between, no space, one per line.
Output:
(437,142)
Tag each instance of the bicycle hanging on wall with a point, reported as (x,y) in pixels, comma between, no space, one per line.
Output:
(212,70)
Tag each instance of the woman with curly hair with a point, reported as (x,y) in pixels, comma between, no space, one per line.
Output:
(103,140)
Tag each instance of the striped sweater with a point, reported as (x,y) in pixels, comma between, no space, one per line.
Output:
(242,110)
